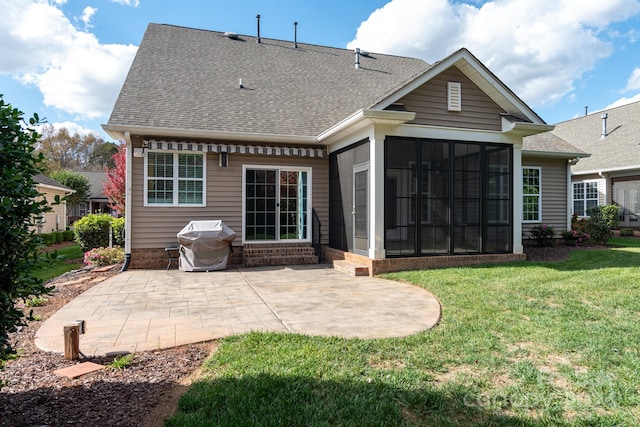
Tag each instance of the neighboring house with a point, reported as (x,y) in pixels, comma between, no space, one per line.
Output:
(97,202)
(546,175)
(56,218)
(404,164)
(612,174)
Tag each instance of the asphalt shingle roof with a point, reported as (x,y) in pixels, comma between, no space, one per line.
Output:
(185,78)
(547,142)
(45,180)
(619,149)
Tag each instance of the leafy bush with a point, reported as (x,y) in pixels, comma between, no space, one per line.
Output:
(575,237)
(92,231)
(543,235)
(602,220)
(118,231)
(104,256)
(67,235)
(627,232)
(59,236)
(48,238)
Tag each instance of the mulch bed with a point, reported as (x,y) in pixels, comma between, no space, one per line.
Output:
(142,394)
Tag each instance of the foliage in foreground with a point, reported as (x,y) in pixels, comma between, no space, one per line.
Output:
(527,344)
(104,256)
(19,247)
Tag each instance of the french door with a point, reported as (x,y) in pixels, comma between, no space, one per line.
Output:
(277,204)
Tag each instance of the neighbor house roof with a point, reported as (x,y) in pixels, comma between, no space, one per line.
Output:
(618,150)
(44,180)
(183,78)
(96,184)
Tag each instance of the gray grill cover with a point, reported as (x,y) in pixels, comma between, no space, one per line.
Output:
(205,245)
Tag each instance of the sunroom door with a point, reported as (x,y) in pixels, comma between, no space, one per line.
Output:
(277,204)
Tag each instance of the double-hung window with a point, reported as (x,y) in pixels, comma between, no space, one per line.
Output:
(585,197)
(174,179)
(531,195)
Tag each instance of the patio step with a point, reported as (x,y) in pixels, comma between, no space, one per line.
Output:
(350,268)
(261,255)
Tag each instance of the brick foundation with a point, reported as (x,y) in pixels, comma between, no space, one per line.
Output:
(156,258)
(389,265)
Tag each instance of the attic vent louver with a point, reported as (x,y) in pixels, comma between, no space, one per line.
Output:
(454,96)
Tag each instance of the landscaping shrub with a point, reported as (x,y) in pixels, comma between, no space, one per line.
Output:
(575,237)
(104,256)
(48,238)
(68,235)
(602,220)
(92,231)
(118,231)
(543,235)
(59,235)
(627,232)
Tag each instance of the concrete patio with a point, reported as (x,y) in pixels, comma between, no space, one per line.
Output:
(142,310)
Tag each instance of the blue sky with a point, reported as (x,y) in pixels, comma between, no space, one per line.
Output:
(66,59)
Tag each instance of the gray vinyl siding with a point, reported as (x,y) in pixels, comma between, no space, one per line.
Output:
(554,194)
(429,102)
(156,227)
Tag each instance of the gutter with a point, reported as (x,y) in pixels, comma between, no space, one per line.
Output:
(127,202)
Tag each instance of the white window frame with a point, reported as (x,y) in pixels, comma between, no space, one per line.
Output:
(585,199)
(278,168)
(539,195)
(176,180)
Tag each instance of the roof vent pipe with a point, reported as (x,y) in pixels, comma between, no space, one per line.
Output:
(258,18)
(295,35)
(604,117)
(357,58)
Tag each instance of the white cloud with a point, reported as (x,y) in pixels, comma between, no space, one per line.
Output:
(539,48)
(74,72)
(72,127)
(634,80)
(623,101)
(87,14)
(134,3)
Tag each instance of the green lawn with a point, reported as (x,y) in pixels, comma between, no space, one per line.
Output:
(61,262)
(519,344)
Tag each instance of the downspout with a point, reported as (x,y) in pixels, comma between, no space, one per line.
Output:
(127,201)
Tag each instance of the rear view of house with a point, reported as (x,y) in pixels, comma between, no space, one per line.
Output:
(385,160)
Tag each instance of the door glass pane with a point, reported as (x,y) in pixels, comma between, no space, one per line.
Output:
(361,197)
(293,205)
(260,204)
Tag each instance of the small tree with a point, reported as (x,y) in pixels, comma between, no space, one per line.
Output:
(115,185)
(76,182)
(19,206)
(602,220)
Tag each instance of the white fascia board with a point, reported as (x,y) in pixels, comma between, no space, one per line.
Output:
(53,187)
(525,129)
(606,170)
(453,133)
(117,132)
(360,119)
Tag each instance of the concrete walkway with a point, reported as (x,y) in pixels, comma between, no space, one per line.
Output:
(142,310)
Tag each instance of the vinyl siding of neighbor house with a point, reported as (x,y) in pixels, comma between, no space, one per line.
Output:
(57,211)
(554,193)
(429,102)
(156,227)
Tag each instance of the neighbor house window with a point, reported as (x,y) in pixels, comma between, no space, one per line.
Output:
(531,196)
(174,179)
(585,197)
